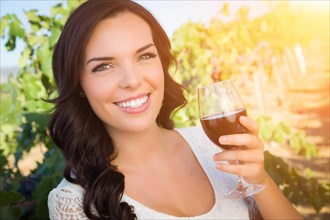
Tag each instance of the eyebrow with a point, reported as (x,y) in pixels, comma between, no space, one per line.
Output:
(111,58)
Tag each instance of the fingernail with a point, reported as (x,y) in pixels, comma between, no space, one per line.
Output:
(223,139)
(244,119)
(218,166)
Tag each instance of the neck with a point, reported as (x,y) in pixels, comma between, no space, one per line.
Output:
(139,149)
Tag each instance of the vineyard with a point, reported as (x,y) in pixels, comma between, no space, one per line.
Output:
(279,62)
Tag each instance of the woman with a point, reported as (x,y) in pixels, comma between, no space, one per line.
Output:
(112,123)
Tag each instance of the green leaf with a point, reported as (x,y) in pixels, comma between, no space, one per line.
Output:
(32,16)
(285,127)
(42,209)
(3,25)
(40,120)
(74,4)
(43,52)
(266,128)
(9,198)
(16,28)
(45,186)
(295,143)
(57,9)
(33,88)
(317,202)
(10,213)
(11,44)
(46,66)
(54,36)
(3,160)
(311,150)
(25,58)
(7,136)
(278,136)
(32,39)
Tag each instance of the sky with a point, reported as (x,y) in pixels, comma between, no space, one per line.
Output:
(170,13)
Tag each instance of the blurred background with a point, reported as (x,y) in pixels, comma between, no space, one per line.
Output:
(276,52)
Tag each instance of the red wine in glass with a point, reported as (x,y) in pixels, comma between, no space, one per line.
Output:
(217,125)
(220,107)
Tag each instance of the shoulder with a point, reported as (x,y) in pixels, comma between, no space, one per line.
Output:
(66,201)
(194,129)
(201,146)
(197,139)
(191,133)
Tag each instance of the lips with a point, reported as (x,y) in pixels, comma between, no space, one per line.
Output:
(133,103)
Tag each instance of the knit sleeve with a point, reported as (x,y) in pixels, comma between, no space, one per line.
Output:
(65,203)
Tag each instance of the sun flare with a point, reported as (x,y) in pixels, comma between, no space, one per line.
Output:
(316,6)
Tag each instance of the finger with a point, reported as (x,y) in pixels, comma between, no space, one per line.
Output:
(247,140)
(251,173)
(250,124)
(245,156)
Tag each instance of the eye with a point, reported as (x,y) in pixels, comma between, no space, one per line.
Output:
(147,56)
(101,67)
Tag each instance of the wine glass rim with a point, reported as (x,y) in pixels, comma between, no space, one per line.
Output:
(216,83)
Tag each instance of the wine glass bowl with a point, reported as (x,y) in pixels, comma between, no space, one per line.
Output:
(222,124)
(220,107)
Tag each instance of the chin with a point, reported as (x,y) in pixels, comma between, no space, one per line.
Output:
(139,127)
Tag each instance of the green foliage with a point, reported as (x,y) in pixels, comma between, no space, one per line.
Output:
(25,114)
(283,134)
(298,189)
(9,208)
(26,197)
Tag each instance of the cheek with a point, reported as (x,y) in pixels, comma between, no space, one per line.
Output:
(97,89)
(157,76)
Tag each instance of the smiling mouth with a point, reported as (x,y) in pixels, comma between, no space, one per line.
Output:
(135,103)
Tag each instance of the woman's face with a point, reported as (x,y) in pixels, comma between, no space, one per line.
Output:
(123,77)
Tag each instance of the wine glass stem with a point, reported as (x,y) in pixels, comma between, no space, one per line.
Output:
(242,184)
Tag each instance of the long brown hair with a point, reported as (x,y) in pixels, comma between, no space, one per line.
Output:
(75,128)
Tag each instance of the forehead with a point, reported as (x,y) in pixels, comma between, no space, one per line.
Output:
(126,31)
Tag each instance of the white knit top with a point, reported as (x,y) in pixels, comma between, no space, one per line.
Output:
(65,201)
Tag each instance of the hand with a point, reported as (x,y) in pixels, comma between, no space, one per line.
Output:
(250,154)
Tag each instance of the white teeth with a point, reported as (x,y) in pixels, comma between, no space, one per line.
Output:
(133,103)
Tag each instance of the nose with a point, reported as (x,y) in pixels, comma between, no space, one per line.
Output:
(131,77)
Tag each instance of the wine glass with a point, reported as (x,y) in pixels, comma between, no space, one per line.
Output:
(220,107)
